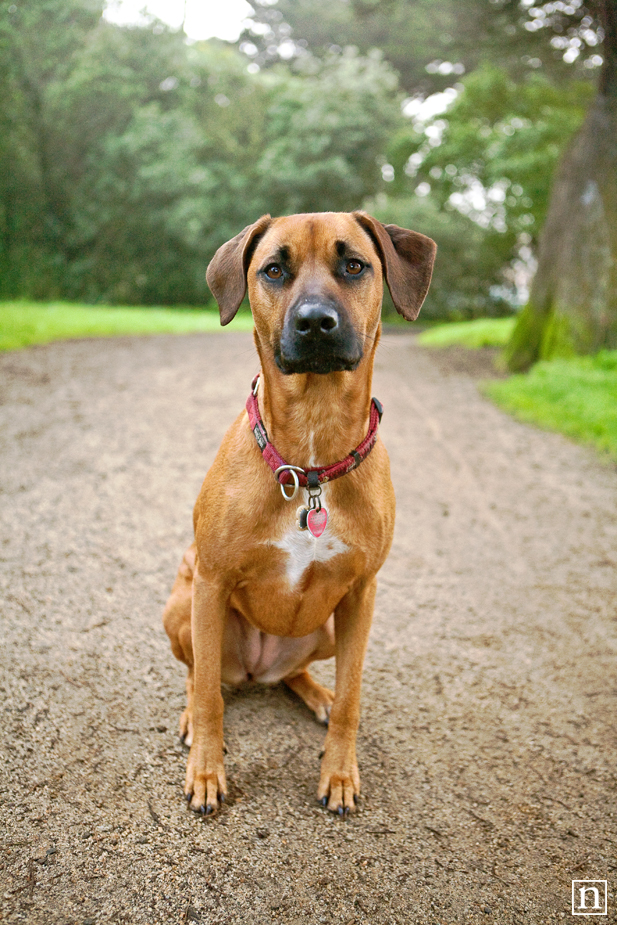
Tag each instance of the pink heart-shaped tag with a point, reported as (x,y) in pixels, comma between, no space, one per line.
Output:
(316,522)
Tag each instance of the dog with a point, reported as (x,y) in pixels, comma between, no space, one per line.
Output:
(292,525)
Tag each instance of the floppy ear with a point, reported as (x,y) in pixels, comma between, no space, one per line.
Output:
(226,273)
(407,259)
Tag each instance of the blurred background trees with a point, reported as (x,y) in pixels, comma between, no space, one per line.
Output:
(127,154)
(572,307)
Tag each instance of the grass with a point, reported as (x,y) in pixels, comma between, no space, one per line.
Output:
(25,323)
(576,397)
(483,332)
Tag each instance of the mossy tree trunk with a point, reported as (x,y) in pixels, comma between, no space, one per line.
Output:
(573,301)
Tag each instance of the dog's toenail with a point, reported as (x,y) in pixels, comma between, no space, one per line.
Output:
(202,810)
(340,810)
(188,797)
(209,809)
(222,798)
(324,801)
(355,798)
(322,753)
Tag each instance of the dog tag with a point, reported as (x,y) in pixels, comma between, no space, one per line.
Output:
(301,515)
(316,522)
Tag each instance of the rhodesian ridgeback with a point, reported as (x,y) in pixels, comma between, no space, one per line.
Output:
(296,514)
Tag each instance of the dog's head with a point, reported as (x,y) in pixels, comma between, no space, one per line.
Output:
(315,284)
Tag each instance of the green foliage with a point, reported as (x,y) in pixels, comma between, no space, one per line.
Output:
(429,43)
(483,332)
(507,136)
(127,156)
(26,323)
(409,35)
(468,270)
(326,134)
(576,397)
(39,44)
(484,170)
(131,156)
(143,169)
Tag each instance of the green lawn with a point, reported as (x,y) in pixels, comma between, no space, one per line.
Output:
(25,323)
(483,332)
(577,397)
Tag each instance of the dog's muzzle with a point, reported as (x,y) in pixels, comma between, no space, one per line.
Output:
(318,337)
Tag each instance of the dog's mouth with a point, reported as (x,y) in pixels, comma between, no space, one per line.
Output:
(317,337)
(319,363)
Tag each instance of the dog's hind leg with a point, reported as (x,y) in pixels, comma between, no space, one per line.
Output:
(177,623)
(317,698)
(186,718)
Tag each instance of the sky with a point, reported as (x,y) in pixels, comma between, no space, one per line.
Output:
(204,18)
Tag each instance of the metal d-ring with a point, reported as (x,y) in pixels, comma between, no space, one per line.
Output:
(296,481)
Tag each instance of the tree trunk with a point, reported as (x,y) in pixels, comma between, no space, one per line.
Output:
(572,307)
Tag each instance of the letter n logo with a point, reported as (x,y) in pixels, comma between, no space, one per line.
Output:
(589,897)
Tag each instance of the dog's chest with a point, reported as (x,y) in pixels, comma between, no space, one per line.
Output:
(302,549)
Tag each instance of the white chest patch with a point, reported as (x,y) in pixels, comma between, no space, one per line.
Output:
(302,549)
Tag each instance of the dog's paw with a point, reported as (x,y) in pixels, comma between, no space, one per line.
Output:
(339,786)
(322,705)
(205,788)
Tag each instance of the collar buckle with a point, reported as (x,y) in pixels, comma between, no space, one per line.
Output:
(293,470)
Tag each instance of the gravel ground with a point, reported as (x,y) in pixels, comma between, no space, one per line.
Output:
(487,740)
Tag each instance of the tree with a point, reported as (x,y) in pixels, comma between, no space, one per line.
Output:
(484,168)
(39,44)
(159,163)
(430,44)
(327,134)
(468,274)
(573,301)
(481,172)
(160,179)
(128,156)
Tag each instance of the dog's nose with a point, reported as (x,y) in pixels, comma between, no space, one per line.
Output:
(315,318)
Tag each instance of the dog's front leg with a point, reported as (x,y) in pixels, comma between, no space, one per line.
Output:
(205,774)
(339,784)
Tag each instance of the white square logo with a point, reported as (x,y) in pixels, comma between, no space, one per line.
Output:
(589,897)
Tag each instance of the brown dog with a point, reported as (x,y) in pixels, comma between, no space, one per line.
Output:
(259,596)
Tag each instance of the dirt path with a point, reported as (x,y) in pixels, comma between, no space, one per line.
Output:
(487,744)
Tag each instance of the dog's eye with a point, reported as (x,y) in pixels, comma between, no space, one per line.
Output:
(354,267)
(273,271)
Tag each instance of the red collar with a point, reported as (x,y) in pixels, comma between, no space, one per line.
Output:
(315,476)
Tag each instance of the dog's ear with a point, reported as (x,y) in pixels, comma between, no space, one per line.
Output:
(226,273)
(407,258)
